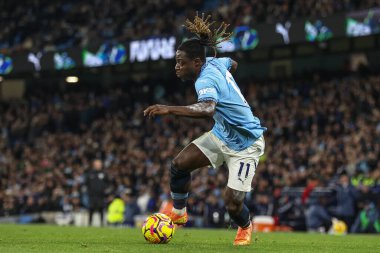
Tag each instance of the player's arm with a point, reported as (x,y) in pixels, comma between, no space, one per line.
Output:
(234,66)
(203,109)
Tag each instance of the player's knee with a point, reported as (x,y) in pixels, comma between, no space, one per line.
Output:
(178,163)
(234,201)
(233,208)
(233,205)
(178,173)
(175,163)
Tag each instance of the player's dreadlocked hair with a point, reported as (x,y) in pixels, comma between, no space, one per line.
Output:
(205,36)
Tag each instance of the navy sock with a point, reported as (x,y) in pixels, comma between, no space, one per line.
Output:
(179,185)
(242,219)
(179,200)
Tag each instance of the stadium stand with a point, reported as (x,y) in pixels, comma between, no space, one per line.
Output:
(317,130)
(50,25)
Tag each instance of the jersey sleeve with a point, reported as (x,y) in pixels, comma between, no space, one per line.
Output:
(206,89)
(226,61)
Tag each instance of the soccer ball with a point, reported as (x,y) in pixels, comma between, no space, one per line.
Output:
(158,228)
(338,227)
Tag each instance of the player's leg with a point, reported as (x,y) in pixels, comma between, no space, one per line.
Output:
(242,166)
(189,159)
(238,211)
(201,152)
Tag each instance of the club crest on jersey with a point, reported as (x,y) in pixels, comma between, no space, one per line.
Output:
(206,90)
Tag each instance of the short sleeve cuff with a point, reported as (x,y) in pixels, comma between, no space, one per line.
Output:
(229,63)
(207,99)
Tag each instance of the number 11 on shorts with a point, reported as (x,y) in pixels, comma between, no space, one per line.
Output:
(241,170)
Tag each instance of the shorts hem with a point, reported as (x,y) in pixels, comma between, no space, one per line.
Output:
(236,188)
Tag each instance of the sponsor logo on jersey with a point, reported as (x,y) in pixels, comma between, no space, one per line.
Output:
(206,90)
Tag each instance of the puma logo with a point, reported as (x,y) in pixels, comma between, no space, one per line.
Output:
(284,31)
(241,180)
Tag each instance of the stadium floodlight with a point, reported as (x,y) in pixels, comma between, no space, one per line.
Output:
(72,79)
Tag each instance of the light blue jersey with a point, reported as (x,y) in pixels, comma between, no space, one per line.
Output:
(235,124)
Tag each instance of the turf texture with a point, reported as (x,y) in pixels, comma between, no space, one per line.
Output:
(44,238)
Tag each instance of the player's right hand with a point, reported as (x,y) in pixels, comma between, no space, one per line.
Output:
(153,110)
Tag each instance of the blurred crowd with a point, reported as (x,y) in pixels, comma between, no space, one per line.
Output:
(321,160)
(55,25)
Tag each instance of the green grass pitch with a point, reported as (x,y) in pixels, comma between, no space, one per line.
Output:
(43,238)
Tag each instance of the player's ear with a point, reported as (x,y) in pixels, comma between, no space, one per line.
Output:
(198,62)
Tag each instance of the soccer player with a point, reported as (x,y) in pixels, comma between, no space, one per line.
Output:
(236,139)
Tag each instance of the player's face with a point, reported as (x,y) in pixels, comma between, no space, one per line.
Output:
(186,68)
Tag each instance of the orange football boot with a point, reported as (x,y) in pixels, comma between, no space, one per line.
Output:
(244,236)
(178,219)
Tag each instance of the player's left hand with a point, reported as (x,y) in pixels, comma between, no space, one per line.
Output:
(153,110)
